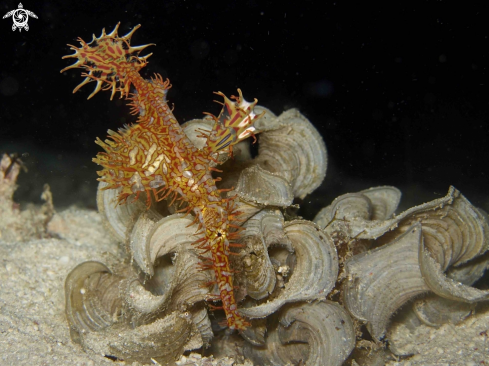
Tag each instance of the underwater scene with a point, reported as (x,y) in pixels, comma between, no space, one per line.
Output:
(244,183)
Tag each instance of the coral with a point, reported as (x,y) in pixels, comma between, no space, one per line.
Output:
(17,225)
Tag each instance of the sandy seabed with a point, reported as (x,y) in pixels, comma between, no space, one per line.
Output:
(35,331)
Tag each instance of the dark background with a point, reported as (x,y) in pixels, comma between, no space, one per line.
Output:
(399,93)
